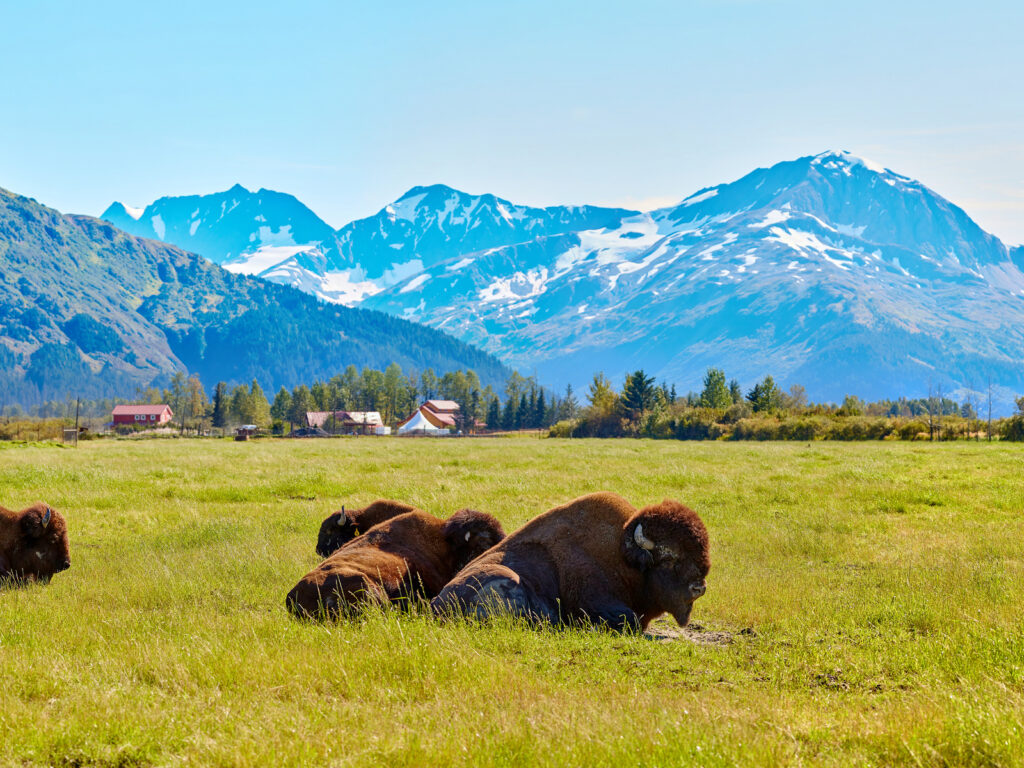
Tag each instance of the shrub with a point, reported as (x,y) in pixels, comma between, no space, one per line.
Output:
(1013,429)
(697,424)
(562,428)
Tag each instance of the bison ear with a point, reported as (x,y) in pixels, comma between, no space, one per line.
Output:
(34,522)
(636,546)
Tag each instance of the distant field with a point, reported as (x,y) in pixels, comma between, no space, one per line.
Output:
(873,593)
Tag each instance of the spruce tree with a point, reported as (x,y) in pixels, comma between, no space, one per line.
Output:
(220,405)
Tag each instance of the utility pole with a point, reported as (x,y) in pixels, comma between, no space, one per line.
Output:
(990,407)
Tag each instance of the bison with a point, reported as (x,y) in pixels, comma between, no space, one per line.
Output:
(594,560)
(33,544)
(411,555)
(344,525)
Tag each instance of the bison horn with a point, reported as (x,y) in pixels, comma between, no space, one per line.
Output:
(342,517)
(46,517)
(642,541)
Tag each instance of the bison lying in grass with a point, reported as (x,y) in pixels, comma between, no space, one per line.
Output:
(33,544)
(595,559)
(344,525)
(412,555)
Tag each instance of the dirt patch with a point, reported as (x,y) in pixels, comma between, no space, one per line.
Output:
(695,633)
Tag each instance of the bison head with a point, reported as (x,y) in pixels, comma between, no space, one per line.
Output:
(40,545)
(337,530)
(668,543)
(321,594)
(344,525)
(469,534)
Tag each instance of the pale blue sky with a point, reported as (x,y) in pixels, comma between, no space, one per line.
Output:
(348,104)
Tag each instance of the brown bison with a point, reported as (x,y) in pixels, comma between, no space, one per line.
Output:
(33,544)
(595,559)
(344,525)
(411,555)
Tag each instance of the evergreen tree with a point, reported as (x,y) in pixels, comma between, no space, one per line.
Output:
(540,409)
(281,409)
(765,396)
(220,405)
(508,417)
(523,412)
(302,402)
(493,414)
(570,405)
(239,407)
(716,394)
(638,394)
(735,392)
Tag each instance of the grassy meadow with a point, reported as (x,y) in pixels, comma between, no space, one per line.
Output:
(865,607)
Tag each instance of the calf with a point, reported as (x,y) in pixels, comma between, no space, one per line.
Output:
(339,528)
(412,555)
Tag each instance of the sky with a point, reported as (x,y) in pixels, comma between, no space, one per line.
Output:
(346,105)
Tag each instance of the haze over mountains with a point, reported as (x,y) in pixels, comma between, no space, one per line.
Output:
(828,271)
(88,310)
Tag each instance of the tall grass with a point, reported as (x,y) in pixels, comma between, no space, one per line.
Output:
(872,592)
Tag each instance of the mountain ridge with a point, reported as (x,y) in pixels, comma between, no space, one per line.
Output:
(88,309)
(824,264)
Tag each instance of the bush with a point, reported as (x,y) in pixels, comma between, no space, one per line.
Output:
(697,424)
(737,411)
(861,428)
(756,429)
(562,428)
(912,430)
(804,428)
(1013,429)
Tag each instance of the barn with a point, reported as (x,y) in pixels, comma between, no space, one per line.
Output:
(142,415)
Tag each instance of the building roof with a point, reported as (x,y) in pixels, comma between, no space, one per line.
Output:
(371,418)
(443,420)
(418,423)
(140,410)
(441,406)
(368,418)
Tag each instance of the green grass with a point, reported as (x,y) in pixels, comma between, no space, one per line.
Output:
(882,585)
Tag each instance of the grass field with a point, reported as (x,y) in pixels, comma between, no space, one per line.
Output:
(872,591)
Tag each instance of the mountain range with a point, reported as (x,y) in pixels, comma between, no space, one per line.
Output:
(88,310)
(829,271)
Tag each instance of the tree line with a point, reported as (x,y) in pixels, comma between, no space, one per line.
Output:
(640,408)
(643,408)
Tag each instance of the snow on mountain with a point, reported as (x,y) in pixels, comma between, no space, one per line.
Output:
(828,270)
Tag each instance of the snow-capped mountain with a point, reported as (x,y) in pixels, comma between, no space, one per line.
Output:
(264,233)
(274,236)
(828,270)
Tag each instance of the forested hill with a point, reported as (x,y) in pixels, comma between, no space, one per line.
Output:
(86,309)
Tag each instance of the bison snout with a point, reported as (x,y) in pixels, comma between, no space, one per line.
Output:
(697,588)
(65,565)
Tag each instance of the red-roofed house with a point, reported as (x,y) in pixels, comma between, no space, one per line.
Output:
(143,415)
